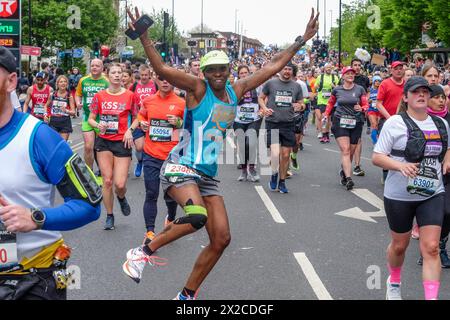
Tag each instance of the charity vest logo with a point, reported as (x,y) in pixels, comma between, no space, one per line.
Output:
(7,8)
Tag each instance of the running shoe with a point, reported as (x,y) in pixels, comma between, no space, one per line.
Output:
(149,236)
(320,135)
(109,225)
(180,296)
(358,172)
(136,260)
(326,139)
(302,147)
(138,169)
(253,175)
(289,174)
(294,162)
(240,166)
(124,206)
(393,291)
(349,184)
(415,232)
(273,182)
(282,187)
(243,176)
(323,140)
(445,260)
(343,178)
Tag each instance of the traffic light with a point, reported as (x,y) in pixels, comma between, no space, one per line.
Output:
(96,49)
(166,19)
(163,50)
(192,43)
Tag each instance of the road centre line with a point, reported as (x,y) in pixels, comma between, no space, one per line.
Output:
(269,205)
(312,277)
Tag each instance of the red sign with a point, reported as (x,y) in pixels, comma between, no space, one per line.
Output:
(105,51)
(7,8)
(31,51)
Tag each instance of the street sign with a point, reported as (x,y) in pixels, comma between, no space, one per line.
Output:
(78,53)
(10,28)
(30,51)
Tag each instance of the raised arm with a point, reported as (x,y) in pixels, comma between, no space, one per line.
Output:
(278,62)
(175,77)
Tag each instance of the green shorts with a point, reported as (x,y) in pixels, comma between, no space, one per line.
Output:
(86,127)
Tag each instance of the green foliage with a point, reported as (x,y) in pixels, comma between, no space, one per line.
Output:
(401,24)
(99,21)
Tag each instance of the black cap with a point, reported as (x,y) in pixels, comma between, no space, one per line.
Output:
(414,83)
(7,60)
(436,90)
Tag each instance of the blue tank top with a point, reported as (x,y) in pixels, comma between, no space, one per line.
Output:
(204,131)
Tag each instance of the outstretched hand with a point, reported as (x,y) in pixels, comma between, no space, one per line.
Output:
(133,19)
(312,26)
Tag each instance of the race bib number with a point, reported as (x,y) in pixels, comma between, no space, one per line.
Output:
(326,94)
(8,248)
(160,130)
(111,122)
(347,122)
(39,110)
(427,181)
(178,170)
(247,113)
(283,99)
(59,108)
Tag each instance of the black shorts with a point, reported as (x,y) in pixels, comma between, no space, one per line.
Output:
(61,124)
(381,124)
(281,133)
(354,134)
(39,286)
(400,214)
(321,107)
(115,147)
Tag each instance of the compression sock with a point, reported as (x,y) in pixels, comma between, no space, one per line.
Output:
(188,292)
(431,289)
(395,273)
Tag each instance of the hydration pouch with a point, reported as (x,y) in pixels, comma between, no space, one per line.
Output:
(80,182)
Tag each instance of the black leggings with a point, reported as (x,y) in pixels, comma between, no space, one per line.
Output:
(400,214)
(247,140)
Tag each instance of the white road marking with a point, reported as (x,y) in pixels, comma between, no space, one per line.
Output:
(335,151)
(77,146)
(269,205)
(357,213)
(313,279)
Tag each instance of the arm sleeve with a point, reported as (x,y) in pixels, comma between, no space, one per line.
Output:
(50,158)
(330,104)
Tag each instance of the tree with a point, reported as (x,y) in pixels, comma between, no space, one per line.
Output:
(51,24)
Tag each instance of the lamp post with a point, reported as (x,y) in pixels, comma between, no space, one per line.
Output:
(331,22)
(317,10)
(29,34)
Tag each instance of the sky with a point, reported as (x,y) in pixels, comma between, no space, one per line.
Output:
(271,22)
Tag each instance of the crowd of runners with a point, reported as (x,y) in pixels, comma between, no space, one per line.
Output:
(176,118)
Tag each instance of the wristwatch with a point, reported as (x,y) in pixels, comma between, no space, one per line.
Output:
(300,40)
(38,217)
(131,129)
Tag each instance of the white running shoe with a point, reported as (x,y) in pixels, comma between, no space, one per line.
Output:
(182,297)
(320,135)
(393,291)
(136,260)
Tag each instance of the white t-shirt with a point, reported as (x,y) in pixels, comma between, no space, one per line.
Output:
(304,88)
(394,136)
